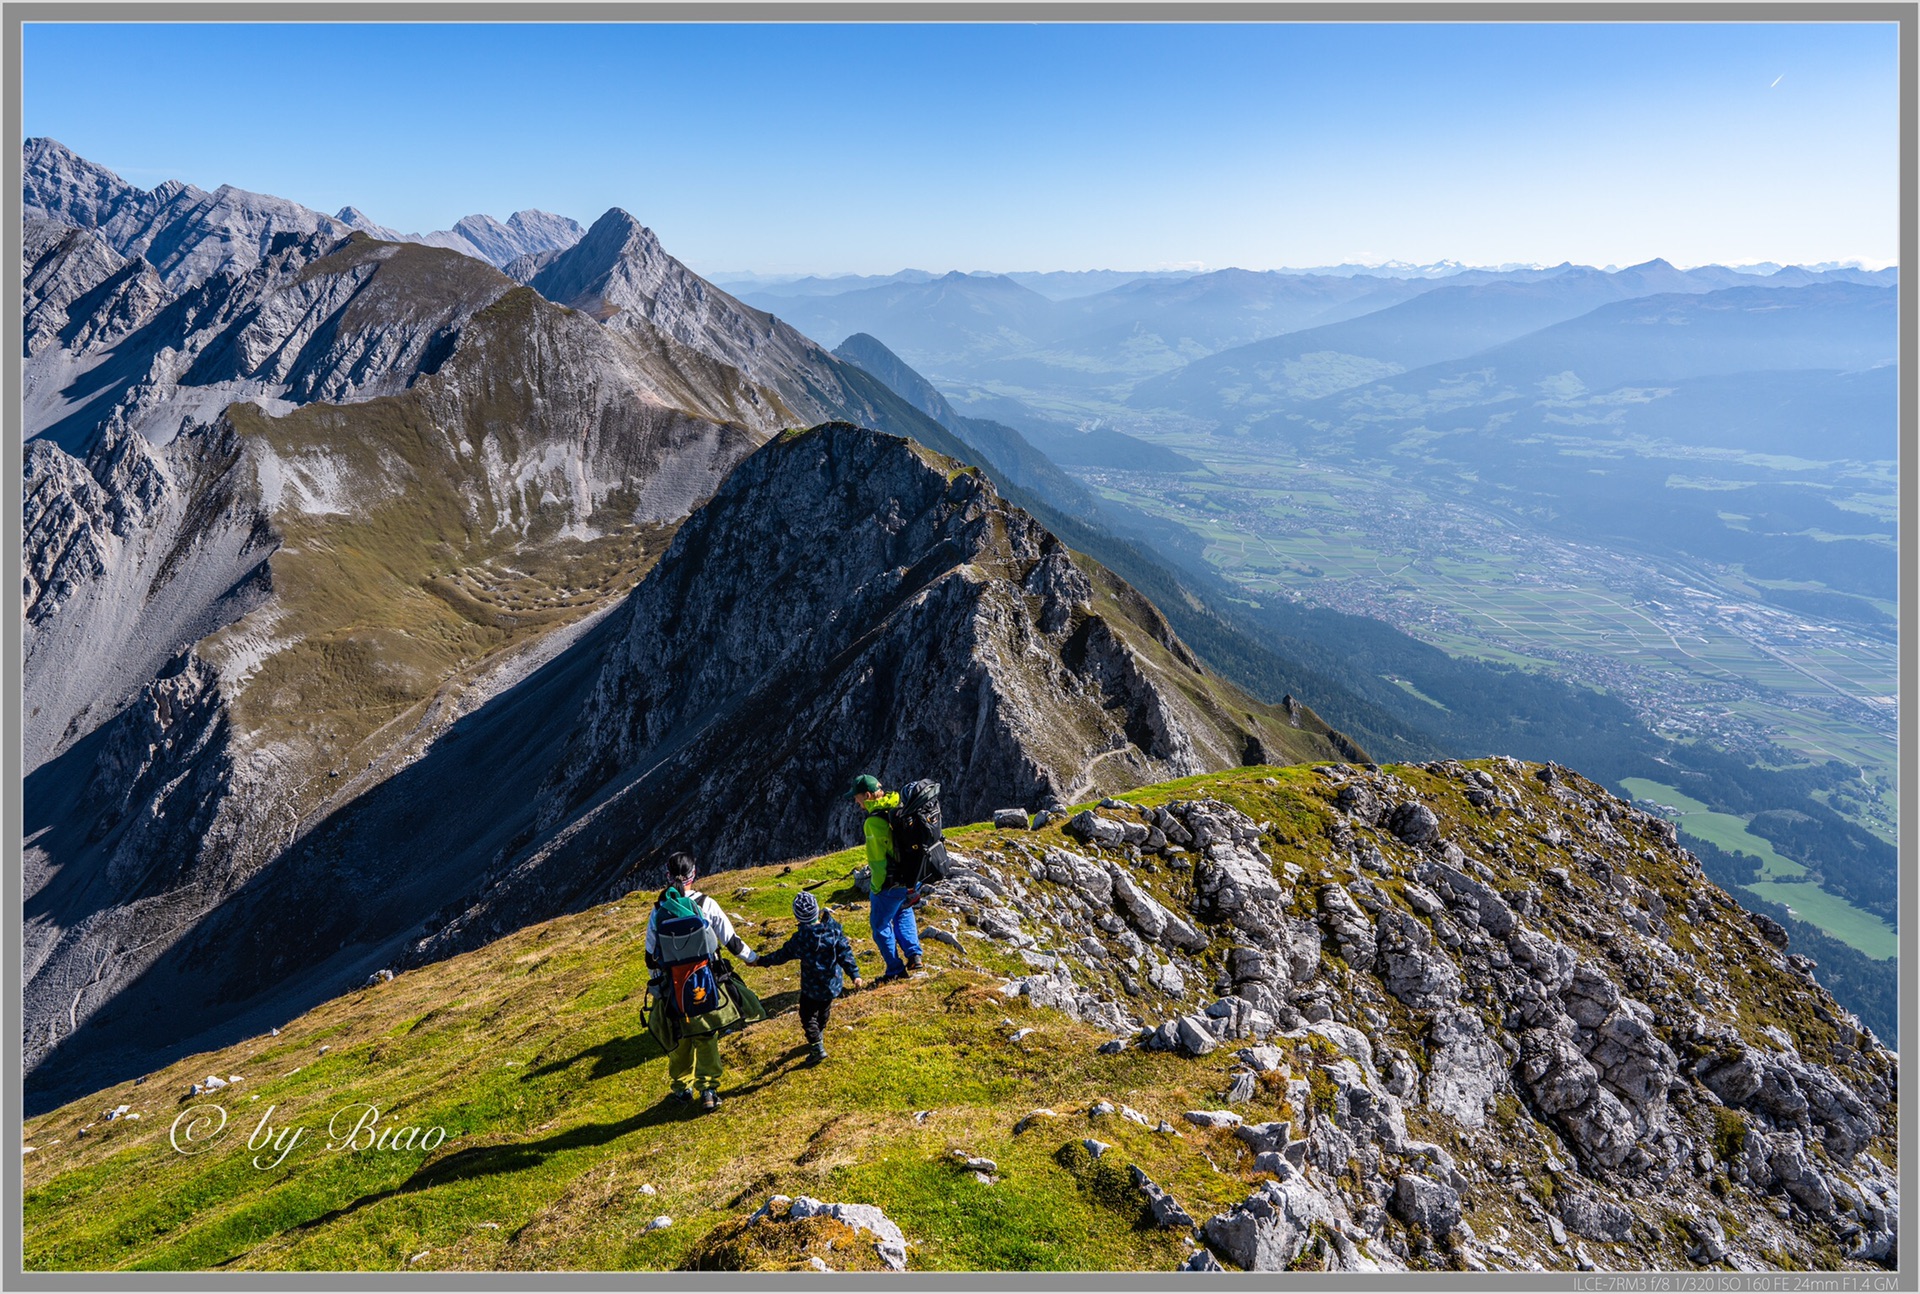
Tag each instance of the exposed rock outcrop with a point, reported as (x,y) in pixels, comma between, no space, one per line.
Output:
(1569,1050)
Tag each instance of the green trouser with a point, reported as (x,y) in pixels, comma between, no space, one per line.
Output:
(702,1056)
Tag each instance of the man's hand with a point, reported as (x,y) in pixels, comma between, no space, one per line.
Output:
(858,982)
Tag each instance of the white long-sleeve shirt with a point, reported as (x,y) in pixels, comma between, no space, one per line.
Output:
(723,930)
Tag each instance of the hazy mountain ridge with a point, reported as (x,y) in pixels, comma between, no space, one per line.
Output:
(1660,374)
(992,329)
(1447,322)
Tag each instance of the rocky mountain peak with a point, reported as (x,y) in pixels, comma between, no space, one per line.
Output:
(618,264)
(354,218)
(525,233)
(62,185)
(619,274)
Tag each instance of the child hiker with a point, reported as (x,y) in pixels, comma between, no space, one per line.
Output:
(822,948)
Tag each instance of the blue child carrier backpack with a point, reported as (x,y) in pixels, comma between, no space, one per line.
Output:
(684,946)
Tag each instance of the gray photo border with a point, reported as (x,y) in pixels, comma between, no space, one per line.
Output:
(1907,17)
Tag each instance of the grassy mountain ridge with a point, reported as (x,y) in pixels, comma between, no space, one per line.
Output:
(559,1151)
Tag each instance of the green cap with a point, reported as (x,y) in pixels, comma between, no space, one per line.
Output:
(865,784)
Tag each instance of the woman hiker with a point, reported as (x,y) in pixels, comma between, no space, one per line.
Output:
(824,951)
(696,997)
(894,930)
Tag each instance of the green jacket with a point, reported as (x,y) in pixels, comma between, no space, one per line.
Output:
(880,838)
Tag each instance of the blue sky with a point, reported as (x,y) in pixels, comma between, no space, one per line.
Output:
(810,148)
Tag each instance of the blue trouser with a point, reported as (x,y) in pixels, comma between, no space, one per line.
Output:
(892,922)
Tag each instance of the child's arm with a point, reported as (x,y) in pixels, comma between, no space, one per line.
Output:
(786,952)
(844,953)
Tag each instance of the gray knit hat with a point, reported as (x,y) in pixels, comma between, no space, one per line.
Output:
(805,907)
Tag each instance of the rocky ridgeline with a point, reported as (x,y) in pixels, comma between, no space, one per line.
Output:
(1481,1016)
(315,317)
(189,234)
(848,600)
(525,235)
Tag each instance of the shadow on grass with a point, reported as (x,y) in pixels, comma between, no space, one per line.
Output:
(615,1056)
(493,1160)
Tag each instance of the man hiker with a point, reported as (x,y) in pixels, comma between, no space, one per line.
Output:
(890,910)
(823,951)
(696,998)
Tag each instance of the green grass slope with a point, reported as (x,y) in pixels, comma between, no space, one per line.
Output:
(531,1054)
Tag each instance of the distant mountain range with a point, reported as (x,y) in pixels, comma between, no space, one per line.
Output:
(1454,322)
(1637,391)
(998,331)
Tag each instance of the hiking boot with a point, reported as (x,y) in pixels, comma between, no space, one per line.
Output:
(680,1094)
(816,1054)
(709,1101)
(913,964)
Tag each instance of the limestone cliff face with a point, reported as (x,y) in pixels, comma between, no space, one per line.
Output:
(79,292)
(132,555)
(1471,1016)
